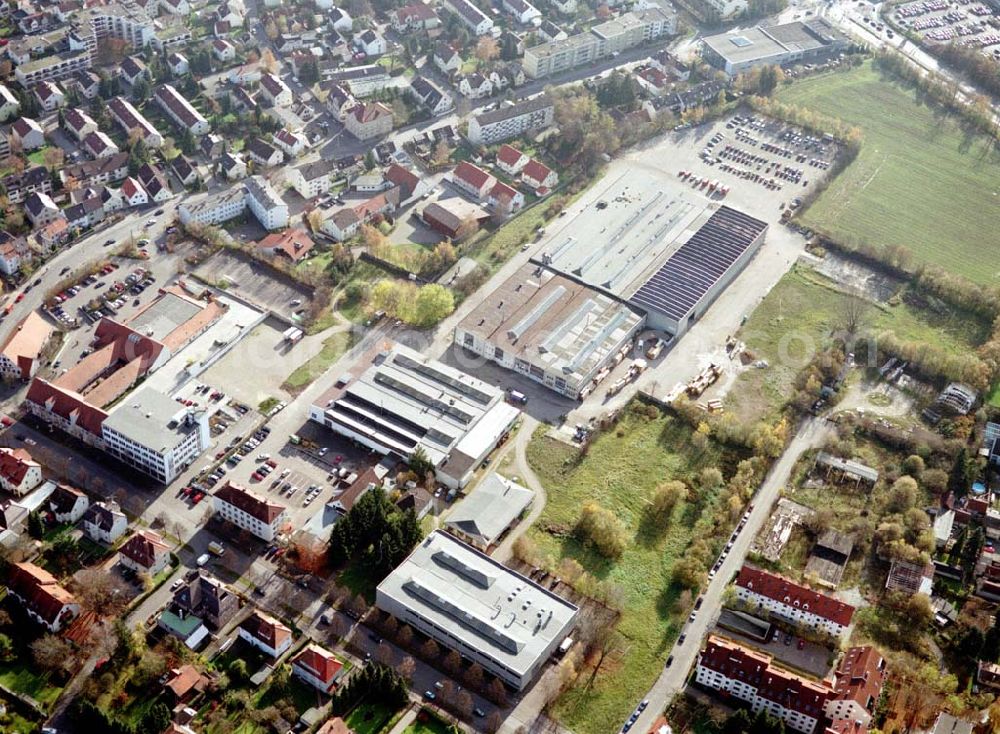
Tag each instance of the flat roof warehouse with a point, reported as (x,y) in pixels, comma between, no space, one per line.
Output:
(495,615)
(401,400)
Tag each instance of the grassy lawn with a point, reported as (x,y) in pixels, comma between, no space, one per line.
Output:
(919,180)
(799,315)
(333,349)
(37,157)
(495,249)
(620,472)
(431,725)
(20,678)
(369,718)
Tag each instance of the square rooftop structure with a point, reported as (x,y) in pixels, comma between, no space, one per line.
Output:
(473,604)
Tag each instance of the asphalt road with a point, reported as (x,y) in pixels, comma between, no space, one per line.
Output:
(812,433)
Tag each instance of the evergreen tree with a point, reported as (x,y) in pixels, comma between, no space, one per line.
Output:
(35,527)
(959,479)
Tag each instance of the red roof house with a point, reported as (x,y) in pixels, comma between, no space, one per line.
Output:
(317,667)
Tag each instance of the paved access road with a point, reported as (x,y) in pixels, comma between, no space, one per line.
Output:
(812,433)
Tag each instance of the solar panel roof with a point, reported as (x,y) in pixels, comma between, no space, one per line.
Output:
(699,263)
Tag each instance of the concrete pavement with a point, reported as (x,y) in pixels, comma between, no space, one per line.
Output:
(812,433)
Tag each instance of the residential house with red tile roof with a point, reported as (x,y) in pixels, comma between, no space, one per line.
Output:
(504,198)
(145,552)
(417,16)
(293,243)
(275,90)
(249,511)
(185,683)
(41,596)
(510,160)
(133,192)
(19,473)
(291,143)
(78,123)
(28,133)
(20,356)
(769,593)
(407,181)
(859,680)
(369,120)
(49,95)
(266,634)
(539,176)
(99,145)
(317,667)
(473,180)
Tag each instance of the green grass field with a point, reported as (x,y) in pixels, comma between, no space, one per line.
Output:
(620,472)
(334,347)
(799,315)
(21,678)
(919,180)
(369,718)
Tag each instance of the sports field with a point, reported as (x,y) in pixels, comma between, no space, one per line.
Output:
(919,181)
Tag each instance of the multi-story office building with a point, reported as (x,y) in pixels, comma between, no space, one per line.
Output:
(155,434)
(472,604)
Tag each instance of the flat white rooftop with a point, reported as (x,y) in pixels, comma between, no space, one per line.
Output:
(235,323)
(480,602)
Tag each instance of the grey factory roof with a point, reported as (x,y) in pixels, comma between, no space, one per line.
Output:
(761,43)
(616,243)
(553,320)
(164,315)
(490,508)
(151,419)
(480,602)
(691,272)
(402,399)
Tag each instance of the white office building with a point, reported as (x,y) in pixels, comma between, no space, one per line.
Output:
(470,603)
(155,434)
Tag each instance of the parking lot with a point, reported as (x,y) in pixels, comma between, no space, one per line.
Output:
(119,289)
(303,477)
(969,23)
(256,283)
(761,154)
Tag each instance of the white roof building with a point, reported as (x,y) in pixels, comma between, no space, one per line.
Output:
(471,603)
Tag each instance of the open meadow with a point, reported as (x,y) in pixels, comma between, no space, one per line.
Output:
(920,180)
(800,315)
(620,472)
